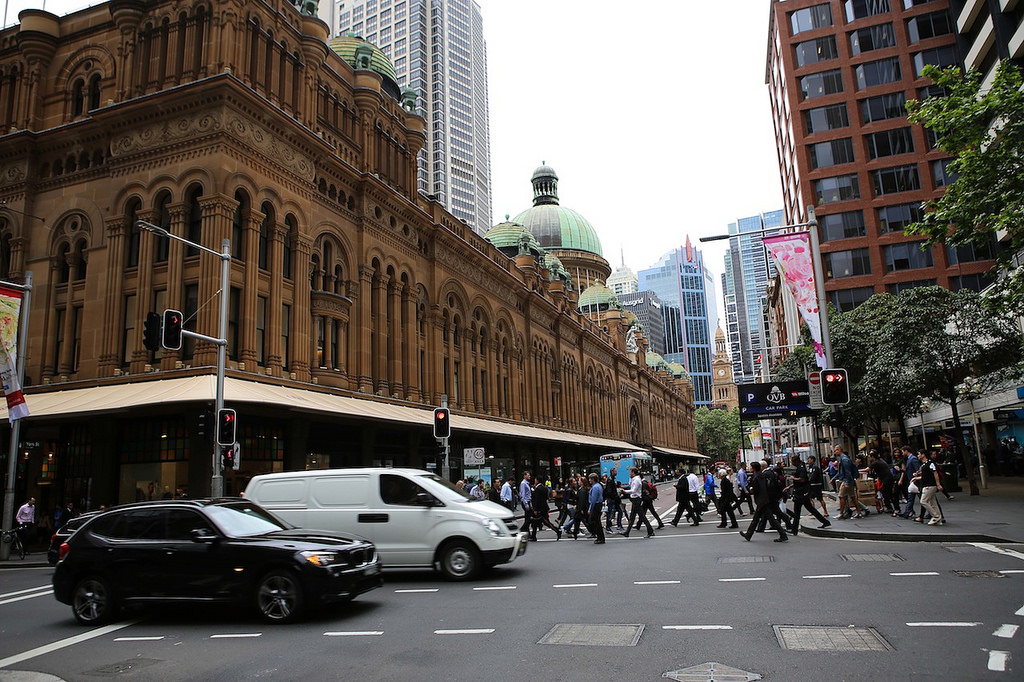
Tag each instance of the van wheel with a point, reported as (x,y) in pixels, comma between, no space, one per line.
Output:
(92,601)
(279,597)
(460,560)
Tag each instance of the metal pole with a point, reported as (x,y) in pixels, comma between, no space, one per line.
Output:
(445,468)
(12,448)
(217,481)
(977,448)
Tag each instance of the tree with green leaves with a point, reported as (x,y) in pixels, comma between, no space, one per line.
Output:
(984,131)
(718,433)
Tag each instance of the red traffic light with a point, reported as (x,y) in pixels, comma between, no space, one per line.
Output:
(835,387)
(442,425)
(171,337)
(226,425)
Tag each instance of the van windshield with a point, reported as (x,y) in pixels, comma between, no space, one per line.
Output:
(450,490)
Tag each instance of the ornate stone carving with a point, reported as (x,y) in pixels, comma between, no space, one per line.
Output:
(13,173)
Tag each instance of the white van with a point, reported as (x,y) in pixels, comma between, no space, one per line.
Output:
(414,517)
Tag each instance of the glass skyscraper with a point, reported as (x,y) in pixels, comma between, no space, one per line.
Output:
(437,48)
(687,292)
(747,271)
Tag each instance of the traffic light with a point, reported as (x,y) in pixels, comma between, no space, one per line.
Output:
(442,423)
(835,387)
(171,338)
(231,457)
(205,419)
(226,423)
(151,332)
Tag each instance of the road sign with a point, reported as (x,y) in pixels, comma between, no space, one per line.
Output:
(775,399)
(473,457)
(814,381)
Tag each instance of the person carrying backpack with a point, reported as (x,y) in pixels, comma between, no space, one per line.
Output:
(648,494)
(767,491)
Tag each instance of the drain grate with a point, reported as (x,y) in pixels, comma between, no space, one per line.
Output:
(871,557)
(979,574)
(745,559)
(828,638)
(711,672)
(593,635)
(122,667)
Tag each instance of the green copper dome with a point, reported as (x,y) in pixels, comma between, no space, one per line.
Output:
(597,295)
(554,226)
(361,54)
(656,362)
(678,371)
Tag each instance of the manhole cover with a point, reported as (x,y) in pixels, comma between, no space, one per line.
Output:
(745,559)
(979,574)
(711,672)
(826,638)
(963,549)
(593,635)
(122,667)
(871,557)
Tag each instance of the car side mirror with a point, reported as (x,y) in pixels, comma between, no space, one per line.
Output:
(425,499)
(203,535)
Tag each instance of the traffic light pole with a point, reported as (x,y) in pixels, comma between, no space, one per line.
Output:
(12,448)
(217,479)
(445,466)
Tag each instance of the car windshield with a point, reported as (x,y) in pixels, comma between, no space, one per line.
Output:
(245,519)
(452,493)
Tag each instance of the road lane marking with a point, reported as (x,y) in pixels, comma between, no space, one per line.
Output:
(363,633)
(60,644)
(997,550)
(25,596)
(31,589)
(576,585)
(696,627)
(1012,571)
(477,631)
(496,587)
(156,638)
(915,573)
(237,635)
(1006,631)
(1019,612)
(997,660)
(429,589)
(834,575)
(739,580)
(655,582)
(944,624)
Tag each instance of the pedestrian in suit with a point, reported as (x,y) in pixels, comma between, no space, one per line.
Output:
(726,499)
(682,487)
(766,508)
(802,496)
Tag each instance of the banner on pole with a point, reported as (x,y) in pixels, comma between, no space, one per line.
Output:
(793,257)
(10,315)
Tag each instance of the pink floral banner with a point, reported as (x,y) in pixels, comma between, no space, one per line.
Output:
(10,314)
(793,258)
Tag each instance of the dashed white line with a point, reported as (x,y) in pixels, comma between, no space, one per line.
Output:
(740,580)
(576,585)
(1019,612)
(363,633)
(997,660)
(915,573)
(31,589)
(476,631)
(431,589)
(156,638)
(237,635)
(70,641)
(944,624)
(26,596)
(656,582)
(834,575)
(496,587)
(696,627)
(1006,631)
(1011,571)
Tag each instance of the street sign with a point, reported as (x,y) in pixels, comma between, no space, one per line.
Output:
(775,399)
(473,457)
(815,391)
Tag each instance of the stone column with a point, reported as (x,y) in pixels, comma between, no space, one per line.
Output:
(364,322)
(113,321)
(301,317)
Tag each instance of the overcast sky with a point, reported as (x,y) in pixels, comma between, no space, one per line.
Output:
(654,114)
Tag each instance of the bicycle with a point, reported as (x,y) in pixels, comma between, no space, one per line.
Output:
(11,537)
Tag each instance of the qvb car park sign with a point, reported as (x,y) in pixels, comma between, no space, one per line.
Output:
(775,399)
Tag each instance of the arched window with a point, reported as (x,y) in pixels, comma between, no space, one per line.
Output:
(77,97)
(80,260)
(266,227)
(289,236)
(5,251)
(238,224)
(131,256)
(63,267)
(194,229)
(94,91)
(163,220)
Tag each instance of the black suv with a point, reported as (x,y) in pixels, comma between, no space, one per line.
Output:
(223,550)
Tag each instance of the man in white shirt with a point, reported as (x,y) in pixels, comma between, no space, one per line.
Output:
(477,491)
(694,484)
(506,493)
(25,520)
(636,500)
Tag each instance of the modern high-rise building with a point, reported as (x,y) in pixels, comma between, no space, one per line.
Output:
(687,291)
(437,48)
(839,74)
(623,281)
(989,31)
(744,285)
(649,313)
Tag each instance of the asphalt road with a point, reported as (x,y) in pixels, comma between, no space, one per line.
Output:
(701,595)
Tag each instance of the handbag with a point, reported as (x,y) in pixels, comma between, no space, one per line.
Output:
(912,488)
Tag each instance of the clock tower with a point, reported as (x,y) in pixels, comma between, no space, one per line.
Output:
(723,387)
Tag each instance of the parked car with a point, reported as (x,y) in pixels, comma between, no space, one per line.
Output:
(224,550)
(63,533)
(414,517)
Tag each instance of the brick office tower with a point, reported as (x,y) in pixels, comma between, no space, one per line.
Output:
(839,74)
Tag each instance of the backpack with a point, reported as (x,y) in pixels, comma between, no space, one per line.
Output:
(654,491)
(772,486)
(645,491)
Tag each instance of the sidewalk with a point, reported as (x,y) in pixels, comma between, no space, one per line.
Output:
(996,515)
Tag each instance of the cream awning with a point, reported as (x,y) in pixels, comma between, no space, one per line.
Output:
(680,453)
(122,397)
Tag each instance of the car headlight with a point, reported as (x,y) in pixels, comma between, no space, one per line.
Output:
(495,528)
(320,558)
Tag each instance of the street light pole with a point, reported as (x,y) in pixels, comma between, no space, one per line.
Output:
(12,448)
(217,479)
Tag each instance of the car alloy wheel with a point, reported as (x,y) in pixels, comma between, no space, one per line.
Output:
(92,601)
(279,597)
(460,560)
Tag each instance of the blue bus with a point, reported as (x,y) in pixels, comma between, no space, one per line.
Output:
(623,461)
